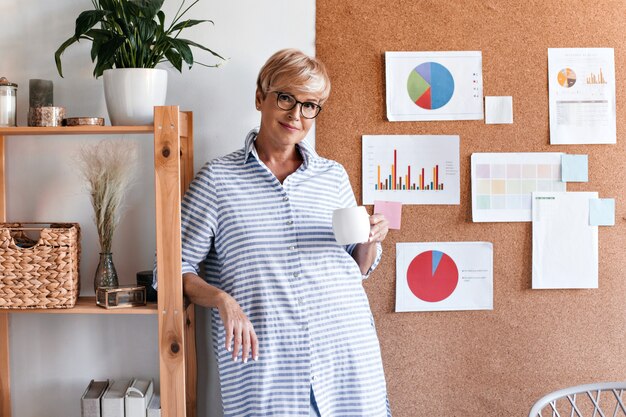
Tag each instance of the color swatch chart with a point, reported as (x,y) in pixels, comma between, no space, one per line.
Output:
(411,169)
(502,183)
(398,181)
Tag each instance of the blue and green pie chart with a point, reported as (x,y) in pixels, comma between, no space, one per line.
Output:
(430,85)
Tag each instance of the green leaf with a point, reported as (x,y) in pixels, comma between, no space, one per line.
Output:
(191,43)
(124,26)
(87,19)
(150,7)
(99,37)
(161,17)
(147,28)
(175,59)
(95,48)
(187,24)
(107,55)
(134,10)
(57,54)
(183,48)
(108,5)
(99,34)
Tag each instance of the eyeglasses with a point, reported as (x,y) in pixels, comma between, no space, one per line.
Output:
(308,109)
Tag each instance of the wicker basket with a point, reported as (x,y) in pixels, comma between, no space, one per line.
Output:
(39,274)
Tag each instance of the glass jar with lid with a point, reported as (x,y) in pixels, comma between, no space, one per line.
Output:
(8,103)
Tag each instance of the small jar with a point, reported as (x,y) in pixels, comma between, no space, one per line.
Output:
(8,103)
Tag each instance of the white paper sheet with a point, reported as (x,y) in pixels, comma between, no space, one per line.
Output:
(582,95)
(411,169)
(498,110)
(565,246)
(434,85)
(439,276)
(502,183)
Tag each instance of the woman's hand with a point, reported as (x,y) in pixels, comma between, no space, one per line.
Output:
(379,227)
(238,329)
(365,253)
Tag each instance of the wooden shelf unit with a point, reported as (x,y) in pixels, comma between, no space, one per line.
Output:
(173,137)
(87,305)
(74,130)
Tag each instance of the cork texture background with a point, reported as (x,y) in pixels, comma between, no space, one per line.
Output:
(482,363)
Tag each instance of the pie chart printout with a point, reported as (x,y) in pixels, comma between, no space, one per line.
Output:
(432,276)
(566,77)
(430,85)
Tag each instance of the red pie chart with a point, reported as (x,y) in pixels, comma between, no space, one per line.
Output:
(432,276)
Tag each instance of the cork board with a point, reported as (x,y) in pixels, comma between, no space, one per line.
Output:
(482,363)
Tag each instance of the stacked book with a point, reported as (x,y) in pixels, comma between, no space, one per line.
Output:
(121,398)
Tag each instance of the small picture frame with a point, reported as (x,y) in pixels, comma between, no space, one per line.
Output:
(121,297)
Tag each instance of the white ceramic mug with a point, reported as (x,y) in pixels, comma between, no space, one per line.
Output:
(351,225)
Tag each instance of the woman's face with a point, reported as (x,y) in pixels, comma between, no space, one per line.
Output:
(284,127)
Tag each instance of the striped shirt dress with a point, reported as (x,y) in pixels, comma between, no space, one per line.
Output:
(271,247)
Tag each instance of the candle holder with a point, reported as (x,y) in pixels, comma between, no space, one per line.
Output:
(40,93)
(46,116)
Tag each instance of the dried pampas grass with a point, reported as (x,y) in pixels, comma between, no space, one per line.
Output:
(109,168)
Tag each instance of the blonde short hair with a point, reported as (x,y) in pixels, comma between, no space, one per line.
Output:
(294,71)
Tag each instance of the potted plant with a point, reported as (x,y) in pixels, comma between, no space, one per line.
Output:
(131,40)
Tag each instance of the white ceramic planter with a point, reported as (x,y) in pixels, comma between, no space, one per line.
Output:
(132,93)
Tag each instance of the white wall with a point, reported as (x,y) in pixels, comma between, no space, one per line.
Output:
(54,357)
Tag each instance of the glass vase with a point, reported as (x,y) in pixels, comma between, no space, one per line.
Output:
(106,276)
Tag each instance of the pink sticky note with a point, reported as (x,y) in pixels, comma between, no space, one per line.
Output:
(391,210)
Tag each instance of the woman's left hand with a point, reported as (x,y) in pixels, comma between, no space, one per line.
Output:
(379,227)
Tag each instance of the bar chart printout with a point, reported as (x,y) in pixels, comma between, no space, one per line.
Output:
(402,181)
(411,169)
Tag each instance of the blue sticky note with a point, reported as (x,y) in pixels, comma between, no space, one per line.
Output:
(602,212)
(574,168)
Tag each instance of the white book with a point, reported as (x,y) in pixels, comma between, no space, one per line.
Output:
(90,401)
(113,399)
(138,394)
(154,408)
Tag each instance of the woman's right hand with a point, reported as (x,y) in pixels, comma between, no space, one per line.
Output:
(238,328)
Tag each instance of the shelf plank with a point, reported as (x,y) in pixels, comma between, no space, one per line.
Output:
(5,377)
(87,305)
(74,130)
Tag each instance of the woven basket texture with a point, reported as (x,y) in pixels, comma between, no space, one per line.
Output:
(39,274)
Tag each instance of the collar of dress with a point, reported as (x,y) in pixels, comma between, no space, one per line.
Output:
(305,148)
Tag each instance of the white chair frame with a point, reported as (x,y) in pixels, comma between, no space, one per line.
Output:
(591,393)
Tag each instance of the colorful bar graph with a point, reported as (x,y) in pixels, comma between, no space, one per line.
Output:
(593,79)
(397,180)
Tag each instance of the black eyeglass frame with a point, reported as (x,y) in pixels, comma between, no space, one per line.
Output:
(296,102)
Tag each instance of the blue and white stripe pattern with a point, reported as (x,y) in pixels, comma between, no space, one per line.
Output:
(271,247)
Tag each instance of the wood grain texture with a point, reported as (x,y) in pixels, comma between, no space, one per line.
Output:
(5,368)
(191,363)
(482,363)
(87,305)
(5,364)
(3,193)
(167,151)
(74,130)
(187,174)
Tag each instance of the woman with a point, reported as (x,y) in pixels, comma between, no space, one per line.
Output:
(284,293)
